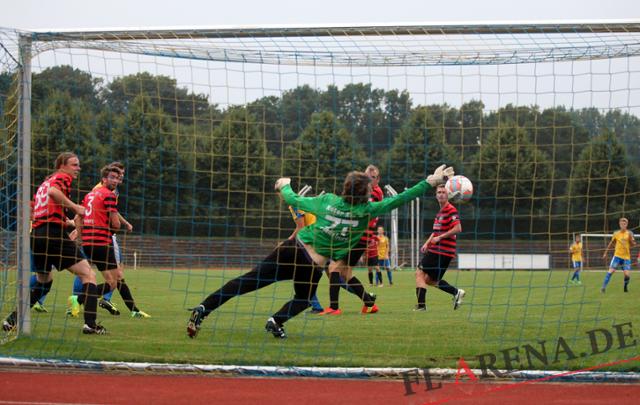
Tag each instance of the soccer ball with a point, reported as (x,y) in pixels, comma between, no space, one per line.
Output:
(459,188)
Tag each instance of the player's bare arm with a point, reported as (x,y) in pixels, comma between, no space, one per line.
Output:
(114,220)
(609,246)
(59,197)
(426,244)
(456,229)
(127,225)
(299,225)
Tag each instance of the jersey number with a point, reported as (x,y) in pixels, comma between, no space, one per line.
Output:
(339,221)
(42,196)
(90,199)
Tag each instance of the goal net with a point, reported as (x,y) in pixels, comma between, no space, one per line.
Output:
(543,118)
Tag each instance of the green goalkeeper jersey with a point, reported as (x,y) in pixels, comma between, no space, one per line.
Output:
(339,225)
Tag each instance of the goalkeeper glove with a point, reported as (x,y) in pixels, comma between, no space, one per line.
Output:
(440,175)
(283,181)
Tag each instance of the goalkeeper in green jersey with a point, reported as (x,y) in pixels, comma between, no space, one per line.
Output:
(340,222)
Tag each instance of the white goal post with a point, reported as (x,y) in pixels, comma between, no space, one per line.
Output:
(592,253)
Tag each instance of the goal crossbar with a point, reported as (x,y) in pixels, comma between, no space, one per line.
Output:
(616,26)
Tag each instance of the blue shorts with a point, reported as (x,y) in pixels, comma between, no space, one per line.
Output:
(577,265)
(384,263)
(616,262)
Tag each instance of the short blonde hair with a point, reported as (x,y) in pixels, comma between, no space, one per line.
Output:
(372,168)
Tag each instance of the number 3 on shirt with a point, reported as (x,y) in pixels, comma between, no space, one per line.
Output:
(90,199)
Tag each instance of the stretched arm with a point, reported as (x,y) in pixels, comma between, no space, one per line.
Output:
(299,225)
(290,197)
(426,244)
(456,229)
(388,204)
(609,246)
(114,220)
(76,234)
(124,222)
(439,176)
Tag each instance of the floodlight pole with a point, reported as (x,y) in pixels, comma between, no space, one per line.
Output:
(23,250)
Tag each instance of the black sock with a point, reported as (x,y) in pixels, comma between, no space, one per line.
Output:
(356,287)
(446,287)
(39,289)
(421,293)
(90,299)
(626,281)
(370,277)
(125,293)
(334,290)
(103,288)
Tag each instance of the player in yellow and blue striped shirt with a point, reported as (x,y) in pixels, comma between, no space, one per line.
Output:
(576,260)
(623,240)
(383,254)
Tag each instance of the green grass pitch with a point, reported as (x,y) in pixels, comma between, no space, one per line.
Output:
(505,313)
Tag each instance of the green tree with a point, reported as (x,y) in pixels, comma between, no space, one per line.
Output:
(242,171)
(66,124)
(296,108)
(418,149)
(6,79)
(605,184)
(360,108)
(158,188)
(627,127)
(512,176)
(163,93)
(79,85)
(373,116)
(323,154)
(267,111)
(8,149)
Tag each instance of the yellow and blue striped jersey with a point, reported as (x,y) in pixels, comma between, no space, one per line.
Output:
(383,247)
(576,252)
(309,218)
(623,244)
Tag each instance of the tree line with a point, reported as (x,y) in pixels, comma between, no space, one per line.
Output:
(195,168)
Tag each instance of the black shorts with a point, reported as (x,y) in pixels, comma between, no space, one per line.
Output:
(434,265)
(288,261)
(51,246)
(356,253)
(104,257)
(372,261)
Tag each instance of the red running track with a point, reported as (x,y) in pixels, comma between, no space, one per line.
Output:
(53,388)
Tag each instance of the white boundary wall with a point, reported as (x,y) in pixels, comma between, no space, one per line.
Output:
(506,261)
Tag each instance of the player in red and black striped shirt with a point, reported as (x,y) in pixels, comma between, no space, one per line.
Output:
(100,221)
(50,243)
(438,251)
(96,230)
